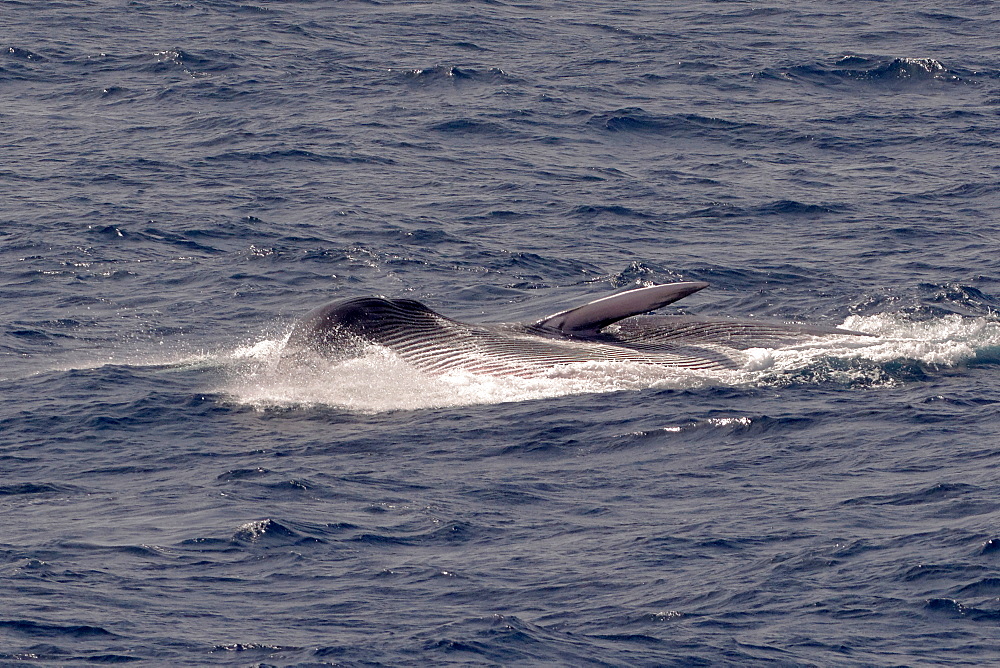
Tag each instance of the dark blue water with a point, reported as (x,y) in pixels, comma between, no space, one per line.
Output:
(178,182)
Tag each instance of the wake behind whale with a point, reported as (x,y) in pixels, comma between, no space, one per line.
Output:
(612,329)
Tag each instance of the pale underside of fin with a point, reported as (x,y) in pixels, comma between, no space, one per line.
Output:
(590,318)
(657,330)
(438,344)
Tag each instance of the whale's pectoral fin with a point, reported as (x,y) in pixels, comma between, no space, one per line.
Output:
(588,319)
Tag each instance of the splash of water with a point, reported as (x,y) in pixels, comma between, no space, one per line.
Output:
(380,381)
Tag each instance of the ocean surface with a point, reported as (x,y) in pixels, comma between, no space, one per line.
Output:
(180,181)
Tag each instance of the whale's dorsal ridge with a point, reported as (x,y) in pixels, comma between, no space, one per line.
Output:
(590,318)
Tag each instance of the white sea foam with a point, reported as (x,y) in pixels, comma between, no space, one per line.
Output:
(380,381)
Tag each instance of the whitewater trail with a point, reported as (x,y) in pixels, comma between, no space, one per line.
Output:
(380,381)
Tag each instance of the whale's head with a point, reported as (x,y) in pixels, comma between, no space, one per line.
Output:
(343,329)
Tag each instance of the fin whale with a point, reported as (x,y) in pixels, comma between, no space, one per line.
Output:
(611,329)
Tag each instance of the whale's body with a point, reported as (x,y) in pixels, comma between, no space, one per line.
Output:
(611,329)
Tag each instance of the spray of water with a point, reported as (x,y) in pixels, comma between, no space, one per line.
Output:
(380,381)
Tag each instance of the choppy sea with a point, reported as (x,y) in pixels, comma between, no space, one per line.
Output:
(180,181)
